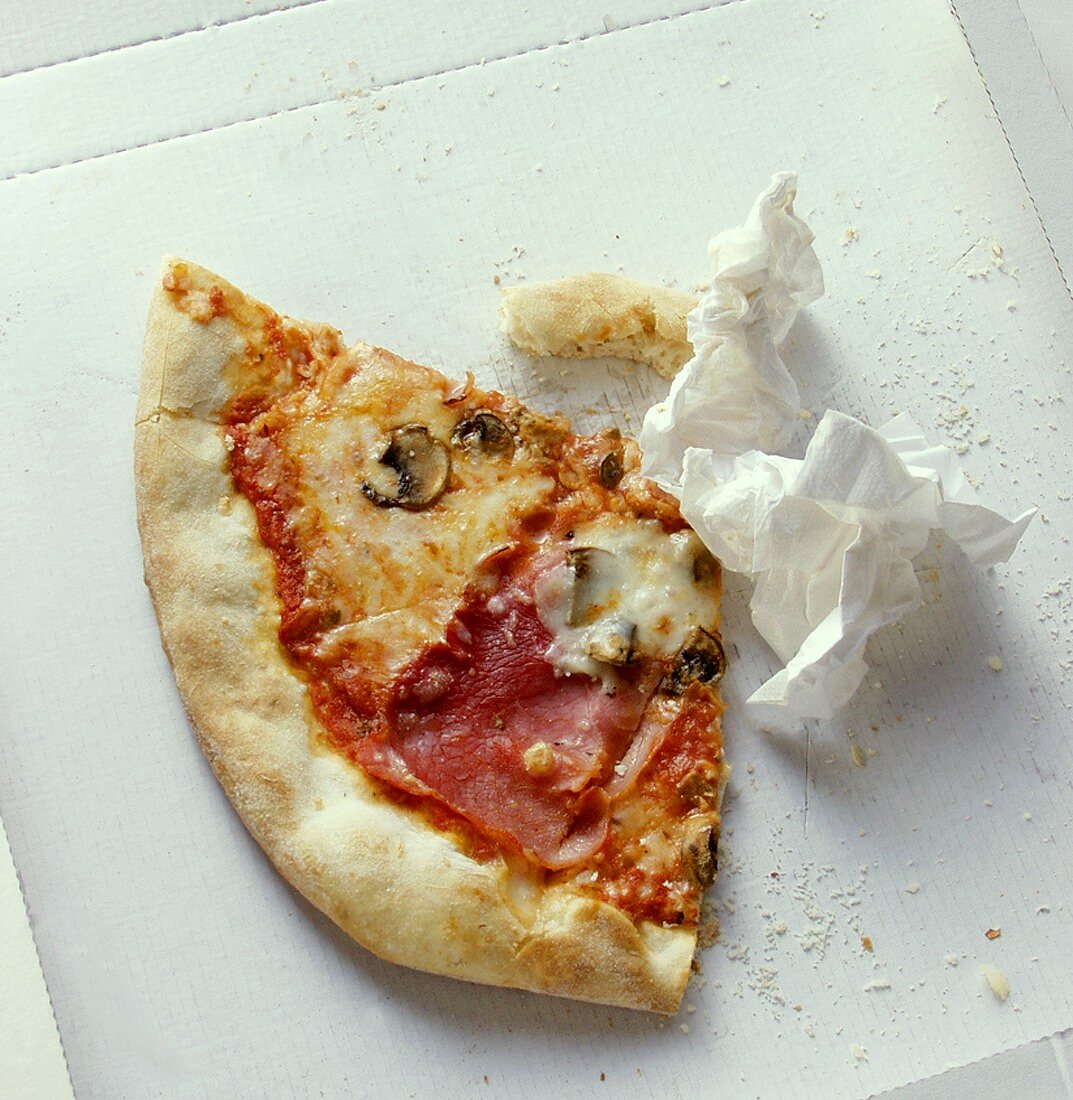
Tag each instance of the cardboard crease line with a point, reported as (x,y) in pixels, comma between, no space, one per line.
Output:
(1006,137)
(331,99)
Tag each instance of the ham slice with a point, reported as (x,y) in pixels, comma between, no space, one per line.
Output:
(464,714)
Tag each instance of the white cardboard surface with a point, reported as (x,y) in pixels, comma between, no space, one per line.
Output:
(177,961)
(1041,1068)
(35,35)
(1026,87)
(1051,25)
(31,1059)
(252,68)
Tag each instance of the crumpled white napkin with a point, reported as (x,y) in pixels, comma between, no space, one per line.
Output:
(829,539)
(736,393)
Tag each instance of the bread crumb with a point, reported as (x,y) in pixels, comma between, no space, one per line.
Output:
(866,943)
(993,933)
(912,888)
(999,983)
(858,756)
(723,81)
(684,1028)
(950,959)
(223,506)
(873,986)
(707,932)
(994,663)
(859,1053)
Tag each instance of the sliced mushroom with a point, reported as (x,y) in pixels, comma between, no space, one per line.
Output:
(486,433)
(705,567)
(700,660)
(698,789)
(597,574)
(700,851)
(611,470)
(412,471)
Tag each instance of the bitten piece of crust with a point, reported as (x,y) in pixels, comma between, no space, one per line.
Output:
(588,316)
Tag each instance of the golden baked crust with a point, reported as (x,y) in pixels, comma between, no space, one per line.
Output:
(587,316)
(396,884)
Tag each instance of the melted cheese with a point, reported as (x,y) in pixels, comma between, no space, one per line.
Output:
(642,594)
(394,575)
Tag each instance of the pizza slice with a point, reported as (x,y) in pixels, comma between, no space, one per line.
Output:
(454,665)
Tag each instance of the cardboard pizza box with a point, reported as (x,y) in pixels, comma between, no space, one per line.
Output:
(380,168)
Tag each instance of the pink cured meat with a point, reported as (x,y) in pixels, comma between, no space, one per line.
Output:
(464,713)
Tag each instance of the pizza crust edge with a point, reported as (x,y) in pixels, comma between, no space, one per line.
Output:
(386,877)
(595,315)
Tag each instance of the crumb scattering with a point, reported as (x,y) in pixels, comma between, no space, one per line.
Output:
(996,980)
(994,663)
